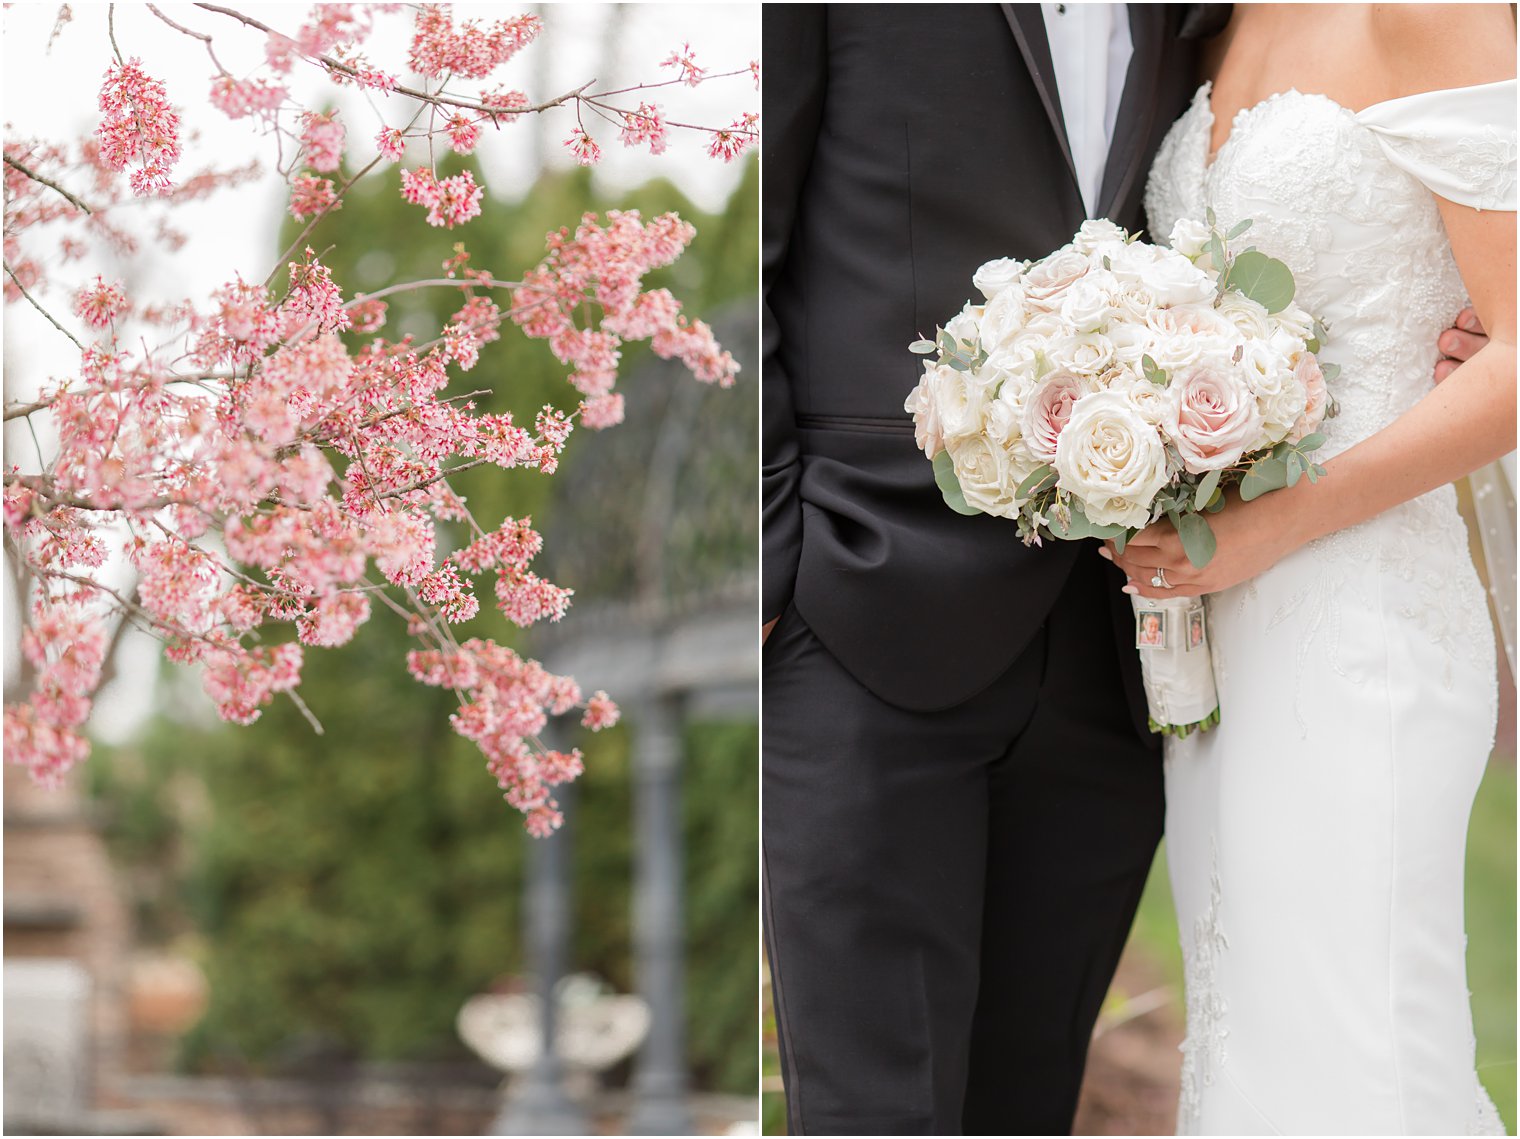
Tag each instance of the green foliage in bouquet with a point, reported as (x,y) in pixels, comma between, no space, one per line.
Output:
(357,887)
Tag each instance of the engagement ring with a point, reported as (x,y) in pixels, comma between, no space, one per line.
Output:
(1159,580)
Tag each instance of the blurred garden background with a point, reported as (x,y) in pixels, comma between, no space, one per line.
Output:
(280,929)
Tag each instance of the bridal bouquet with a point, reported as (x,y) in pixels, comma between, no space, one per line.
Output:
(1114,383)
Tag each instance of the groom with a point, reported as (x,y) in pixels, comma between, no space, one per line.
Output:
(961,799)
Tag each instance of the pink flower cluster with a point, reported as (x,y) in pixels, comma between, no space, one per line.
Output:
(505,703)
(741,134)
(607,264)
(100,304)
(685,63)
(645,127)
(469,51)
(322,140)
(237,98)
(450,201)
(138,128)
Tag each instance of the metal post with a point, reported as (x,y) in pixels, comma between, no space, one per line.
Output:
(659,1087)
(537,1104)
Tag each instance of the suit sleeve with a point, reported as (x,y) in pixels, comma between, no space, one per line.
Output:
(794,81)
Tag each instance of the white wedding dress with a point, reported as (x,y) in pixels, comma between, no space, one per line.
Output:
(1316,836)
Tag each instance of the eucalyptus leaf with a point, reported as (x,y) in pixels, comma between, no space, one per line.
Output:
(922,347)
(1330,371)
(1153,371)
(1197,538)
(1310,442)
(1042,478)
(949,485)
(1240,228)
(1296,467)
(1264,475)
(1264,279)
(1206,488)
(1081,526)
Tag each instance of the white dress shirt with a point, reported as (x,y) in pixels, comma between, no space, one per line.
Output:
(1091,48)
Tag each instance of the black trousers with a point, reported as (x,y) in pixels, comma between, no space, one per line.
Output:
(947,893)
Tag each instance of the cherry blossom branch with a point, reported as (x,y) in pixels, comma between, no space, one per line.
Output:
(318,216)
(48,182)
(331,64)
(33,301)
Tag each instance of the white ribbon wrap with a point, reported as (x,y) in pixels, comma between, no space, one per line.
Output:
(1179,684)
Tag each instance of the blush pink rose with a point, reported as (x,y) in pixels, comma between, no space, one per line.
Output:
(1212,417)
(1047,412)
(1316,397)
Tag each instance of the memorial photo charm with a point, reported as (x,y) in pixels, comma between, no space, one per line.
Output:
(1197,629)
(1151,629)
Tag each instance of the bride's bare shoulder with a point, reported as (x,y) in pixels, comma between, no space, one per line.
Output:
(1430,47)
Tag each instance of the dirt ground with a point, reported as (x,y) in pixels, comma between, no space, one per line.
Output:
(1134,1065)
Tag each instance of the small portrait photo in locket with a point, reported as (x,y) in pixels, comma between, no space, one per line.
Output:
(1150,629)
(1197,629)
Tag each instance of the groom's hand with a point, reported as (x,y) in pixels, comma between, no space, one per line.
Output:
(1459,343)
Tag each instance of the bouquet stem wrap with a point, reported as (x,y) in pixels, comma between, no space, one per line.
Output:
(1179,671)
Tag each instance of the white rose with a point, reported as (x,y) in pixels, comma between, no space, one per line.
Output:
(995,276)
(1096,232)
(1091,354)
(1085,306)
(1280,397)
(923,405)
(1003,318)
(959,401)
(1128,262)
(1006,411)
(1133,304)
(1174,280)
(1188,237)
(1249,317)
(1111,459)
(982,468)
(1295,322)
(1047,279)
(966,324)
(1212,417)
(1149,400)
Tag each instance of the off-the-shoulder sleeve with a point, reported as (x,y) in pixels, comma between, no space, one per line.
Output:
(1459,142)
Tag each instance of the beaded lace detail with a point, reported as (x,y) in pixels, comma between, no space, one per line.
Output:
(1371,259)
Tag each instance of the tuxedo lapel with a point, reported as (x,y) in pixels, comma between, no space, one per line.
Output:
(1137,106)
(1028,25)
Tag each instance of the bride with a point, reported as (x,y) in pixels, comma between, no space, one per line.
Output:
(1316,835)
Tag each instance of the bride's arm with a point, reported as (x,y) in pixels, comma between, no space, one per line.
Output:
(1465,422)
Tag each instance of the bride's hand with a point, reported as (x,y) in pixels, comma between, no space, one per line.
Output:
(1251,537)
(1460,343)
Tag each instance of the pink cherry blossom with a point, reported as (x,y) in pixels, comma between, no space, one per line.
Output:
(646,126)
(685,62)
(138,128)
(322,140)
(583,147)
(100,304)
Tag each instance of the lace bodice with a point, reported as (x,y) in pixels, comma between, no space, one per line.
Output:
(1346,199)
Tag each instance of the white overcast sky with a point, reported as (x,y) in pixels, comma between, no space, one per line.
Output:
(50,92)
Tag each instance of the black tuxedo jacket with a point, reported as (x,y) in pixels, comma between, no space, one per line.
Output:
(903,146)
